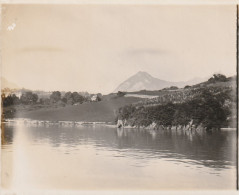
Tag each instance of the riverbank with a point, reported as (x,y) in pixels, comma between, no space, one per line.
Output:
(47,123)
(75,124)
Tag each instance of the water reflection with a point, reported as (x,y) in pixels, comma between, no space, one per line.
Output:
(211,149)
(7,136)
(137,148)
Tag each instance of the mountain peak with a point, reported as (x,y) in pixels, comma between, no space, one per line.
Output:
(142,73)
(141,80)
(144,81)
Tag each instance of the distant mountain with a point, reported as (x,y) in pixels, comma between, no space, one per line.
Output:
(143,80)
(7,84)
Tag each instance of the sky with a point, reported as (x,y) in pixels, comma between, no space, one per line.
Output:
(94,48)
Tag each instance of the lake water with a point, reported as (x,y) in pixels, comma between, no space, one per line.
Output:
(105,158)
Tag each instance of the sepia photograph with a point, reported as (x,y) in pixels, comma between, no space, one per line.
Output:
(119,97)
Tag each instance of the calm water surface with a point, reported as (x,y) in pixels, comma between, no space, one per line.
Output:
(101,157)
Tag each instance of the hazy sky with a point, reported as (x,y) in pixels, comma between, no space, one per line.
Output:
(96,47)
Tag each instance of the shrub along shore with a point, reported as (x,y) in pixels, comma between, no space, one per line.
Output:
(206,110)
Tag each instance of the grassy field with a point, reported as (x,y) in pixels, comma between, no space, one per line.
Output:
(103,111)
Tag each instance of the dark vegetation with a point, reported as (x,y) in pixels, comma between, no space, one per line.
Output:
(204,106)
(121,94)
(170,88)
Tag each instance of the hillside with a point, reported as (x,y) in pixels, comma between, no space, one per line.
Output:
(183,95)
(103,111)
(144,81)
(209,105)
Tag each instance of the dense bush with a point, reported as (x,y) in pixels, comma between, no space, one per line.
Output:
(55,96)
(207,110)
(29,98)
(121,94)
(170,88)
(72,98)
(26,98)
(218,78)
(10,100)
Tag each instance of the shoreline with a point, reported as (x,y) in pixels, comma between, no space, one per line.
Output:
(32,122)
(35,123)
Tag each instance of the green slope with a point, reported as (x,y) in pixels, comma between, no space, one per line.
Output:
(103,111)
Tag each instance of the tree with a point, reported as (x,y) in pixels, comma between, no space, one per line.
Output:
(68,98)
(181,115)
(7,101)
(121,94)
(99,97)
(68,95)
(167,114)
(55,96)
(45,101)
(77,98)
(207,109)
(126,112)
(218,78)
(16,99)
(28,98)
(173,88)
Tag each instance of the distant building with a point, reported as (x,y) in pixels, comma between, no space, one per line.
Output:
(94,98)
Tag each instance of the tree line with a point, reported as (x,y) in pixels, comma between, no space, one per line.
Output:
(30,98)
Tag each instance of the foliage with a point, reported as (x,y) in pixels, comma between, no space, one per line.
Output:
(10,100)
(72,98)
(77,98)
(98,98)
(121,94)
(218,78)
(44,101)
(170,88)
(207,110)
(29,98)
(55,96)
(26,98)
(187,87)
